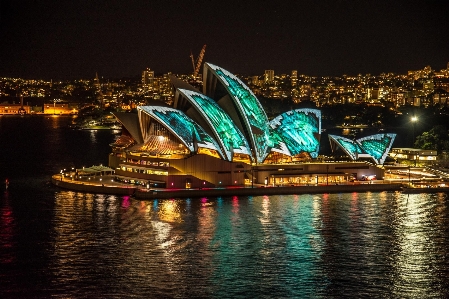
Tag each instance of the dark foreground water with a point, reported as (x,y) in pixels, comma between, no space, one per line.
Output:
(63,244)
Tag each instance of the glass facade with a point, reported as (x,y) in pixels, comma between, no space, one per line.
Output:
(228,135)
(189,132)
(255,119)
(297,131)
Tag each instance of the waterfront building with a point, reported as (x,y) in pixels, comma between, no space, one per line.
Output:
(414,155)
(6,108)
(58,108)
(223,137)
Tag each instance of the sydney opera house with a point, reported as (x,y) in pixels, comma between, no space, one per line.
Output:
(223,137)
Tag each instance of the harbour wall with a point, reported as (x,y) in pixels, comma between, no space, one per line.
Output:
(92,188)
(216,192)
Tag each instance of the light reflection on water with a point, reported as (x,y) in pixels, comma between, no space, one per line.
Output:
(93,136)
(353,245)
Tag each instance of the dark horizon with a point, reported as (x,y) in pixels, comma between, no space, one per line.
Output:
(72,40)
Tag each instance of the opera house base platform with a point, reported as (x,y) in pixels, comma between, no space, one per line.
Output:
(116,188)
(93,187)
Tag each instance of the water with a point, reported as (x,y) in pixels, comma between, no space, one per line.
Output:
(64,244)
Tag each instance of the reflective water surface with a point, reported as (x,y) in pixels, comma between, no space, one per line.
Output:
(362,245)
(62,244)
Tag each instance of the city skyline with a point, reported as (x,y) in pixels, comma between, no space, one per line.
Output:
(68,40)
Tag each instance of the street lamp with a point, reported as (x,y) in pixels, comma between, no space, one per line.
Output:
(252,176)
(414,119)
(409,181)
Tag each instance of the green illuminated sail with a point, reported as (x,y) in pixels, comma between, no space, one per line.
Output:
(183,127)
(226,132)
(350,147)
(254,118)
(297,131)
(377,146)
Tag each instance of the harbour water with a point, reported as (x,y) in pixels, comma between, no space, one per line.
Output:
(64,244)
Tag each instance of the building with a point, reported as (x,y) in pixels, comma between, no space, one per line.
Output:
(58,108)
(147,78)
(269,76)
(441,97)
(414,155)
(294,78)
(222,137)
(6,108)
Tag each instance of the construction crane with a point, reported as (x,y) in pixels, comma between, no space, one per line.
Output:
(196,68)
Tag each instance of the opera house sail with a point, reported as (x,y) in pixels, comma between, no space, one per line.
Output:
(246,107)
(229,137)
(176,122)
(375,146)
(295,132)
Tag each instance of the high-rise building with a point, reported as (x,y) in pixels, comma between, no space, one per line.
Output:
(97,82)
(294,78)
(269,76)
(147,77)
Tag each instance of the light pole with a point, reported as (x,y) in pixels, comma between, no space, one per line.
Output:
(414,119)
(409,181)
(252,176)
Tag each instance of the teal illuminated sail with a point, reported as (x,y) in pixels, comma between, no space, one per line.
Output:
(375,146)
(297,131)
(350,147)
(179,124)
(226,132)
(254,119)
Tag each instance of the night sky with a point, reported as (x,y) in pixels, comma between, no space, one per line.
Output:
(119,38)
